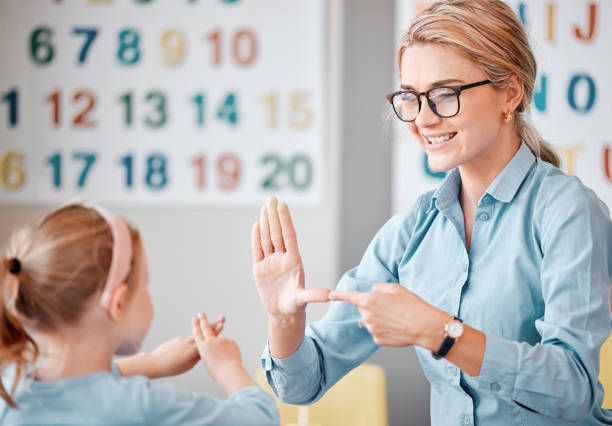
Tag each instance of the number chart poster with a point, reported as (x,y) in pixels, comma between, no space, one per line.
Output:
(572,103)
(184,102)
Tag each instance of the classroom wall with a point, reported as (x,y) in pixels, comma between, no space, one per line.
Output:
(369,72)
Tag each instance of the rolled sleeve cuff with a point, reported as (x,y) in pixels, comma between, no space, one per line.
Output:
(293,364)
(499,366)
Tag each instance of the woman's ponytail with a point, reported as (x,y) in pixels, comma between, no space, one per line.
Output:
(534,141)
(16,346)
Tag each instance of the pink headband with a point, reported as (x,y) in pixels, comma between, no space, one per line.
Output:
(122,253)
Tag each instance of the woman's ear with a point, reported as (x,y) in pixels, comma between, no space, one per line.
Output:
(118,303)
(514,93)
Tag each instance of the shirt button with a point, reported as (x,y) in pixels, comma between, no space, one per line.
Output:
(495,387)
(484,216)
(467,420)
(486,199)
(452,370)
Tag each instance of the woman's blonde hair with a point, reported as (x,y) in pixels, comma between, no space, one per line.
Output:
(63,263)
(491,35)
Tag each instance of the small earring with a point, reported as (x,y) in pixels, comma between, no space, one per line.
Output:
(507,116)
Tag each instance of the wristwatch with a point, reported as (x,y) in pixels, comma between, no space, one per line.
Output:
(452,331)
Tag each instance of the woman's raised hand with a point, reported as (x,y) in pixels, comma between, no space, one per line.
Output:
(277,265)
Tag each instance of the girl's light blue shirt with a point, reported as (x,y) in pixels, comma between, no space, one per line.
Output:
(107,398)
(536,281)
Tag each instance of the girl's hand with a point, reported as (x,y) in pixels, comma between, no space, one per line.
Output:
(176,356)
(395,316)
(221,356)
(277,265)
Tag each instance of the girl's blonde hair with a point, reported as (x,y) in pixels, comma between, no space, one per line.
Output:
(491,35)
(64,261)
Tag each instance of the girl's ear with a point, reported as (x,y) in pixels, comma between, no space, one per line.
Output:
(118,303)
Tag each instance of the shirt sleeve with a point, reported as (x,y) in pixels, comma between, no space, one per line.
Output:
(249,406)
(336,344)
(558,377)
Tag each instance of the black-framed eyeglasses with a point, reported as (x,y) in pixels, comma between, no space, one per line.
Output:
(443,101)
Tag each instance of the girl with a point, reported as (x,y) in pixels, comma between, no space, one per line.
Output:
(73,292)
(500,278)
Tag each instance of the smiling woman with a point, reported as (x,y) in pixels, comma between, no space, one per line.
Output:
(500,278)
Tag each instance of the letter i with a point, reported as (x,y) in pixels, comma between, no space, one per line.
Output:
(551,9)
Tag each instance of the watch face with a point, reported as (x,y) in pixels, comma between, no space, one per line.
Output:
(455,329)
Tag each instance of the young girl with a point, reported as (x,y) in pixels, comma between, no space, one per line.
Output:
(73,292)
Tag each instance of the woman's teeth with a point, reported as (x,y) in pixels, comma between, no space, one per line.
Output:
(440,139)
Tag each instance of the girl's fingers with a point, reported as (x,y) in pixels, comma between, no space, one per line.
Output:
(289,236)
(217,326)
(264,231)
(258,254)
(275,226)
(218,329)
(197,331)
(207,330)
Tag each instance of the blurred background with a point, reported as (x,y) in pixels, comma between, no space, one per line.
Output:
(185,115)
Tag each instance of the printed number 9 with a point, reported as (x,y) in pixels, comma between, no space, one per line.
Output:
(173,45)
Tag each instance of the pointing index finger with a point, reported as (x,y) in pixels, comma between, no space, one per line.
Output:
(357,298)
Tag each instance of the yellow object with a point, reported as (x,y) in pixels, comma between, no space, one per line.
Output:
(358,399)
(605,372)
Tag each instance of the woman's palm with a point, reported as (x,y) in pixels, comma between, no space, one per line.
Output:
(277,265)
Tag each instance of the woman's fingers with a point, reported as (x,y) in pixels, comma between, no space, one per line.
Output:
(289,237)
(357,298)
(258,254)
(264,232)
(275,226)
(313,295)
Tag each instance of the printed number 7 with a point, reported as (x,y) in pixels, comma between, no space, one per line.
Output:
(90,34)
(89,159)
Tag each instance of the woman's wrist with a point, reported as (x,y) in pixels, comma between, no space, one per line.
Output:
(432,335)
(287,321)
(286,334)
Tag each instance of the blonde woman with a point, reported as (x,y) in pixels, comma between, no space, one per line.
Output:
(500,278)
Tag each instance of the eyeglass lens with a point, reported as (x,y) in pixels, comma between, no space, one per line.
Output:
(443,101)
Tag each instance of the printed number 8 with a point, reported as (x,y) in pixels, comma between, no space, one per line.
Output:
(128,53)
(156,171)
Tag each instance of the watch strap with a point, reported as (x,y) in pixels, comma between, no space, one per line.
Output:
(447,343)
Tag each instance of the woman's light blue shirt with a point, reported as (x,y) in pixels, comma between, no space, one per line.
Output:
(536,281)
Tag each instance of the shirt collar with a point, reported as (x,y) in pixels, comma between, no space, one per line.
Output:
(506,184)
(503,188)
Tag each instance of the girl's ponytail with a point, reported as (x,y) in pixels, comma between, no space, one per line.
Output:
(16,346)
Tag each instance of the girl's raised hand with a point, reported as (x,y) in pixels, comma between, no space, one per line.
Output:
(221,356)
(277,265)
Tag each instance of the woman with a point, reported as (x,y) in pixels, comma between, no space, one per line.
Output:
(500,277)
